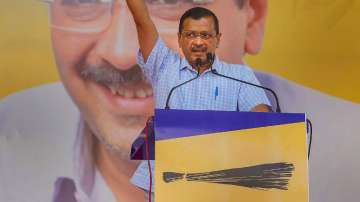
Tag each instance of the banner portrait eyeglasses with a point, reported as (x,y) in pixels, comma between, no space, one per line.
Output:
(90,16)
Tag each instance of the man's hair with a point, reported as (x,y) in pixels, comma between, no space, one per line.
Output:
(197,13)
(241,3)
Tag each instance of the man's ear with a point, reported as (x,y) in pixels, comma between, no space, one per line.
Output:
(179,38)
(218,38)
(256,14)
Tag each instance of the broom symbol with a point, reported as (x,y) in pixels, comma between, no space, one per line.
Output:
(264,176)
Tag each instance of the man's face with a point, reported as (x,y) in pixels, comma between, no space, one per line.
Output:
(95,47)
(233,20)
(197,38)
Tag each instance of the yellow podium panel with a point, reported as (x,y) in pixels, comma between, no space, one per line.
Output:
(259,164)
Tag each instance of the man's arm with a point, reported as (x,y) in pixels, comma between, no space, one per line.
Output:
(147,33)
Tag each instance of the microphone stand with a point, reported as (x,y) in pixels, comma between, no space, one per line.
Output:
(197,65)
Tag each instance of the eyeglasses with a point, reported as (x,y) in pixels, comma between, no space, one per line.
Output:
(193,35)
(96,15)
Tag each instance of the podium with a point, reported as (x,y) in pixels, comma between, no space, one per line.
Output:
(230,156)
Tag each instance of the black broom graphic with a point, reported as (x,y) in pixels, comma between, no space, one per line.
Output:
(264,176)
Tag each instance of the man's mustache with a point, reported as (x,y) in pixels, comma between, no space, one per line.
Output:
(108,75)
(198,48)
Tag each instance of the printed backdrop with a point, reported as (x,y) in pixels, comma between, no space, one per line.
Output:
(312,42)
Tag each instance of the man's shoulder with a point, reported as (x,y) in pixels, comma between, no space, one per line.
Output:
(163,50)
(239,71)
(161,54)
(37,133)
(233,66)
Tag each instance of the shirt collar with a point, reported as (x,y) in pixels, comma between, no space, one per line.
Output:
(185,64)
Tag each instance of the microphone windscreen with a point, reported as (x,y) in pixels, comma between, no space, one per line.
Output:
(210,57)
(198,62)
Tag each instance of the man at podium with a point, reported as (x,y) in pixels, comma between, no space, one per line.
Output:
(198,38)
(198,79)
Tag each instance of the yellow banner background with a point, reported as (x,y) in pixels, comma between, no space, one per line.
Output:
(313,42)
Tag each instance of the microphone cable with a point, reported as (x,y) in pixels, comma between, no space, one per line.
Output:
(309,125)
(309,129)
(148,122)
(197,64)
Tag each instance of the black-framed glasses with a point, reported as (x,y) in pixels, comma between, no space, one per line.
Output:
(194,34)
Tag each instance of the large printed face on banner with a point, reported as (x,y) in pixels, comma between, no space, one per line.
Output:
(95,47)
(311,44)
(303,38)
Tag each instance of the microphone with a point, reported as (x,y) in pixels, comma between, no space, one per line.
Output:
(210,57)
(198,64)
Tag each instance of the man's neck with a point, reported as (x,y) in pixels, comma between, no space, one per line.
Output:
(117,172)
